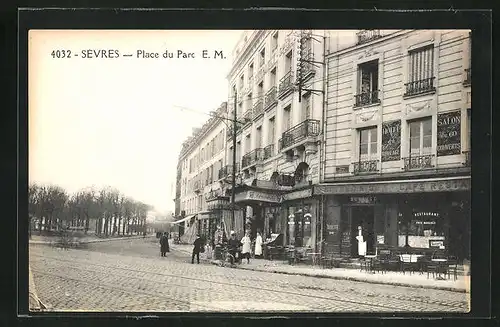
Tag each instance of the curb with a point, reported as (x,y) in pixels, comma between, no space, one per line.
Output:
(352,279)
(35,304)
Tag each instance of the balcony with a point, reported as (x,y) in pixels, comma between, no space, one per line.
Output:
(247,116)
(467,162)
(366,99)
(306,68)
(365,36)
(268,152)
(251,158)
(286,84)
(420,87)
(227,171)
(418,162)
(270,99)
(258,109)
(295,135)
(467,80)
(365,166)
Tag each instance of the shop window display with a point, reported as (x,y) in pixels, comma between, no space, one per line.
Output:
(423,229)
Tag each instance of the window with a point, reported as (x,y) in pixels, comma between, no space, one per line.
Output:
(417,229)
(368,144)
(420,137)
(242,81)
(306,107)
(272,81)
(274,42)
(287,117)
(250,70)
(238,151)
(420,70)
(271,130)
(367,83)
(260,90)
(247,143)
(288,62)
(258,138)
(262,57)
(250,101)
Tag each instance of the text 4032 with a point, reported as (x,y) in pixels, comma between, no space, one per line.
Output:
(61,54)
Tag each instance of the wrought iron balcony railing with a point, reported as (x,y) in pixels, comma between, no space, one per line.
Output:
(258,109)
(308,128)
(226,171)
(268,152)
(270,98)
(467,80)
(252,158)
(418,87)
(230,130)
(286,83)
(365,99)
(418,162)
(306,68)
(365,166)
(247,116)
(367,36)
(467,162)
(196,186)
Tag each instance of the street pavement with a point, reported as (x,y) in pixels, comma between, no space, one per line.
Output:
(130,275)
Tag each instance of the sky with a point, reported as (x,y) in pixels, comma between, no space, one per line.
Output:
(96,121)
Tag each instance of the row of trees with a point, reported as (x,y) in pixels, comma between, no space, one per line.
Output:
(52,208)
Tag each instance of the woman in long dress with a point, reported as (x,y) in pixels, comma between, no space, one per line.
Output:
(247,246)
(258,245)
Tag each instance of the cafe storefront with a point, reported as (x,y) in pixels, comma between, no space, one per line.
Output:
(413,215)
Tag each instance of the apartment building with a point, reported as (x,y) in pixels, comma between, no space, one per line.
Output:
(277,150)
(397,141)
(201,157)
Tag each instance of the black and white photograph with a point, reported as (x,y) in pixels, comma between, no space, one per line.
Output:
(266,170)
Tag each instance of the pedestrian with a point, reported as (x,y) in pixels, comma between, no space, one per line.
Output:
(247,246)
(233,245)
(164,248)
(198,247)
(258,245)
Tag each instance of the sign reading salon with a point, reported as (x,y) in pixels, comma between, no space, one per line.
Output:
(448,133)
(391,140)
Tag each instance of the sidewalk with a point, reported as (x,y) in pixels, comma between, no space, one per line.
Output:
(462,284)
(51,240)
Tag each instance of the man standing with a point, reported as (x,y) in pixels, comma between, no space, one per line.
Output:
(164,248)
(198,245)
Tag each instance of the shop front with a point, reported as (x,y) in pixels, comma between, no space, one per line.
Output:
(413,215)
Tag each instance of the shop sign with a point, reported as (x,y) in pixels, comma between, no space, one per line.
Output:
(448,134)
(297,195)
(257,196)
(462,184)
(363,199)
(391,140)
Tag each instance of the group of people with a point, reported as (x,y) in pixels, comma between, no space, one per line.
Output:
(233,245)
(246,246)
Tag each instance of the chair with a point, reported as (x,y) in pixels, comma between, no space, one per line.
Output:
(408,263)
(452,267)
(436,268)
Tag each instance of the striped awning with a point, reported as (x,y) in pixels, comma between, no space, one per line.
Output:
(183,219)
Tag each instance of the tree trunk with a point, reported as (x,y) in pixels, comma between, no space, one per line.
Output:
(87,222)
(115,218)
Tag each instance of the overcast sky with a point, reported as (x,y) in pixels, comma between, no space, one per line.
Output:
(113,121)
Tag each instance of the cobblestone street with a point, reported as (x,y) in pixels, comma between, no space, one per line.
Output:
(130,275)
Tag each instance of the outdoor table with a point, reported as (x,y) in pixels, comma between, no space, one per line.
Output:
(441,263)
(314,257)
(370,257)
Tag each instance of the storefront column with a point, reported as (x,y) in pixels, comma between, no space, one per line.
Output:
(391,224)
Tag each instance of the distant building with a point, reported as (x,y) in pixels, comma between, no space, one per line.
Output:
(202,157)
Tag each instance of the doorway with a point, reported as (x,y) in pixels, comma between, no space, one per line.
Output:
(363,216)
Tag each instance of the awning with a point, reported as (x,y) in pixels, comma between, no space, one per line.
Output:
(183,219)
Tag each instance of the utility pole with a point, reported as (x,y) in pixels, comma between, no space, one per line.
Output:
(233,176)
